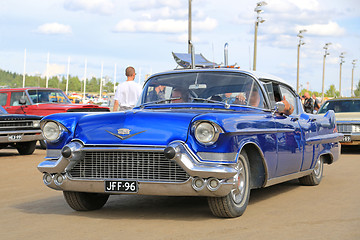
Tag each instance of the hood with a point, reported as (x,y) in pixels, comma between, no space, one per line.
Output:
(347,117)
(134,128)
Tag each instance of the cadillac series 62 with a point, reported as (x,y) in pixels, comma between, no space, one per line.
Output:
(216,132)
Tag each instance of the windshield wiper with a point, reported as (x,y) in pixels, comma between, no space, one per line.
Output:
(159,101)
(213,101)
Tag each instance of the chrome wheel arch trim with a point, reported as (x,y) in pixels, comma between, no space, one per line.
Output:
(266,170)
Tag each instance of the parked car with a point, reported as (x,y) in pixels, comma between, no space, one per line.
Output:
(19,131)
(202,132)
(347,112)
(42,102)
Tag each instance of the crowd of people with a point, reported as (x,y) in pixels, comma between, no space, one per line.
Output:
(310,104)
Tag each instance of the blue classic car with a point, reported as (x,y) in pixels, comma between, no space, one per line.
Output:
(216,132)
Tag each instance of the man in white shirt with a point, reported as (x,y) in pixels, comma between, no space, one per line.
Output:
(127,93)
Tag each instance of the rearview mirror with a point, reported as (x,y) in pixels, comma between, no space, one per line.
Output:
(197,86)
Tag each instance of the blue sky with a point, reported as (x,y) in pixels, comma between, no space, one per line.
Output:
(143,33)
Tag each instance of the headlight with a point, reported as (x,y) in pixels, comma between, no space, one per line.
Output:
(51,131)
(36,123)
(206,133)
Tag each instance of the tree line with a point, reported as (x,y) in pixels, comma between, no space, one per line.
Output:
(14,80)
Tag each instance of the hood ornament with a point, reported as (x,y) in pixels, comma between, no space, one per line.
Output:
(124,133)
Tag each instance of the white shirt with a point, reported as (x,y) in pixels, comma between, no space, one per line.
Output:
(127,93)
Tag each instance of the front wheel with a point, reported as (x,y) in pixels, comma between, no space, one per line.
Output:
(26,148)
(82,201)
(315,177)
(235,203)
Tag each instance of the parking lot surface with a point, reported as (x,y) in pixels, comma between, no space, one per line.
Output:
(30,210)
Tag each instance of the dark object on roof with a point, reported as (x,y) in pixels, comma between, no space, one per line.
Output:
(184,60)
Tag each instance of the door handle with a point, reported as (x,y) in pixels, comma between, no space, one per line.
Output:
(312,120)
(294,119)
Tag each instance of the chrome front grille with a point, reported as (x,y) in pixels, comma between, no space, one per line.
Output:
(9,124)
(143,166)
(348,128)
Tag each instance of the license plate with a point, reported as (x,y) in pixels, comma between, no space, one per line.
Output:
(346,139)
(121,186)
(16,137)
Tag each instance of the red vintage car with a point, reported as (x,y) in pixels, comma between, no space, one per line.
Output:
(42,102)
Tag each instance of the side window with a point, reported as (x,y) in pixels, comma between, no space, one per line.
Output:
(256,98)
(15,97)
(290,97)
(3,99)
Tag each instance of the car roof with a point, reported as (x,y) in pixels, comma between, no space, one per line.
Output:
(256,74)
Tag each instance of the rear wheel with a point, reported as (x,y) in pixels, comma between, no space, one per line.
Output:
(82,201)
(315,177)
(235,203)
(26,148)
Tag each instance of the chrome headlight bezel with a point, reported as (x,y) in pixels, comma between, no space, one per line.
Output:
(206,127)
(52,131)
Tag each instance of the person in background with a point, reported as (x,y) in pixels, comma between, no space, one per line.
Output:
(316,103)
(308,103)
(128,92)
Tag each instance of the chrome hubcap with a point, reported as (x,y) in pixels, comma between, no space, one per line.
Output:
(237,193)
(317,168)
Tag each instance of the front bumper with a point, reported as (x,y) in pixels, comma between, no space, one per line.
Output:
(225,175)
(350,139)
(26,136)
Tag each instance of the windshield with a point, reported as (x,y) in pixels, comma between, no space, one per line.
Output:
(203,87)
(48,96)
(341,106)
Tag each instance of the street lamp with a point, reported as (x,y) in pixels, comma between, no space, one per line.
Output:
(341,63)
(300,35)
(259,19)
(352,77)
(189,28)
(323,77)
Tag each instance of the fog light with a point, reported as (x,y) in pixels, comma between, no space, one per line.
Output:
(58,179)
(198,184)
(47,178)
(213,184)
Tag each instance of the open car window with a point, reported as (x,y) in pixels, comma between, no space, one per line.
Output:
(196,87)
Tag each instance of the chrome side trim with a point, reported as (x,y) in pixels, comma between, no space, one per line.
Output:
(289,177)
(328,138)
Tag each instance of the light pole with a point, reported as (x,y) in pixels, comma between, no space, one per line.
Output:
(323,77)
(189,28)
(259,19)
(298,57)
(341,63)
(352,77)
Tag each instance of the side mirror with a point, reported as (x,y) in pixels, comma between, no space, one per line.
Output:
(22,100)
(315,112)
(279,107)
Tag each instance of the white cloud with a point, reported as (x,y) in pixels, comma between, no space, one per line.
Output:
(329,29)
(164,26)
(54,70)
(54,29)
(183,38)
(102,7)
(137,5)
